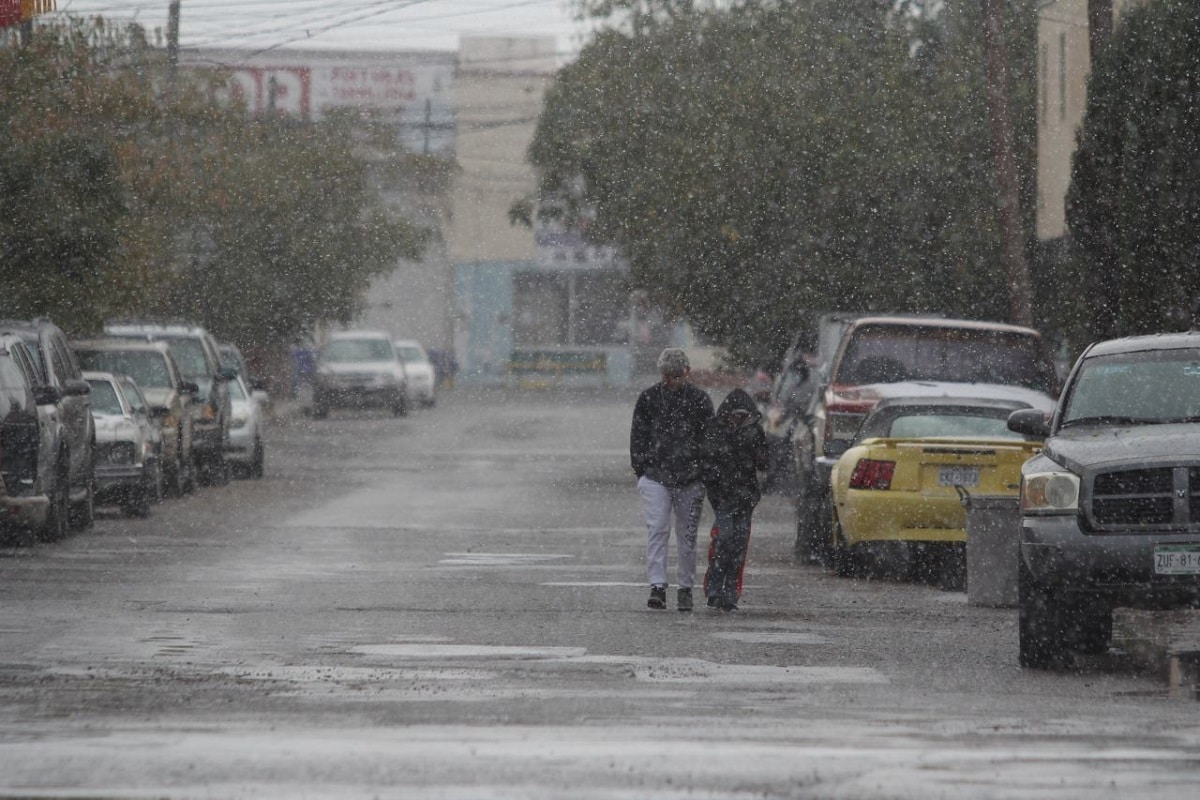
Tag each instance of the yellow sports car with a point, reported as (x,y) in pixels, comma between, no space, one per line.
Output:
(897,489)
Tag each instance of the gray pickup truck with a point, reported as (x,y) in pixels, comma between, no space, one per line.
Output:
(1110,509)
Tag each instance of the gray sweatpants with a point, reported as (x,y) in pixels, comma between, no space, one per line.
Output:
(659,504)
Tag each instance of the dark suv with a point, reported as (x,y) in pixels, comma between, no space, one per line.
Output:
(33,481)
(56,367)
(195,352)
(1110,509)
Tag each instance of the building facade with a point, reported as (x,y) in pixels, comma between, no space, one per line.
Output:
(537,305)
(1064,63)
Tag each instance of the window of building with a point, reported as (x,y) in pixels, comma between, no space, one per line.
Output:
(582,308)
(1045,88)
(1062,76)
(540,309)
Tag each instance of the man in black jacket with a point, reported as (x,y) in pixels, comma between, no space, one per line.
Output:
(664,448)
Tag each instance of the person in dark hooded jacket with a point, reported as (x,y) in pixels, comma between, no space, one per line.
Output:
(733,450)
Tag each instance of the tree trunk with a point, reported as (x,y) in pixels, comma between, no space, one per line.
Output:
(1104,319)
(1008,199)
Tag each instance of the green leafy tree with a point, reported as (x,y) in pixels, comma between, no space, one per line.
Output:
(1134,203)
(126,193)
(759,161)
(284,230)
(64,205)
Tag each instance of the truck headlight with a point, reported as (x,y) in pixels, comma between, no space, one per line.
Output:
(1050,493)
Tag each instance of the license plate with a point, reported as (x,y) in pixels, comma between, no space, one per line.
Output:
(967,477)
(1177,559)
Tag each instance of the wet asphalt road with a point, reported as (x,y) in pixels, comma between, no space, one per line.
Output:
(451,605)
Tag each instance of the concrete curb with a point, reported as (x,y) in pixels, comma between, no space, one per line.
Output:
(1162,643)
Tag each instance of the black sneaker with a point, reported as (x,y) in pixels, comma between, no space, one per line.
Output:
(658,597)
(683,600)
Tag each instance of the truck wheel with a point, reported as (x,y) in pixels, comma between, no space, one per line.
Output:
(848,561)
(256,464)
(175,474)
(83,513)
(1042,637)
(175,479)
(57,519)
(190,481)
(214,471)
(139,501)
(813,514)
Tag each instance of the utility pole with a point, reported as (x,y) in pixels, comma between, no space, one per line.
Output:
(1012,234)
(172,43)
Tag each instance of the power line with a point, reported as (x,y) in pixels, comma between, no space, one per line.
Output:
(264,26)
(285,21)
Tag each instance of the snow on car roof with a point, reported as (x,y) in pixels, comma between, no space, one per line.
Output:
(963,391)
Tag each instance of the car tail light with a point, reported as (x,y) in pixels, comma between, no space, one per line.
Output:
(872,474)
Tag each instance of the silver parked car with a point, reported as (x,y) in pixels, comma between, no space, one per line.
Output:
(33,480)
(246,453)
(56,366)
(418,369)
(128,445)
(171,396)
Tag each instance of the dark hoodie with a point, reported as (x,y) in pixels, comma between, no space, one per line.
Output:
(664,441)
(733,450)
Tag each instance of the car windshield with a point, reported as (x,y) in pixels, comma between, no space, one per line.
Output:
(952,426)
(350,350)
(13,394)
(1153,387)
(937,422)
(189,354)
(104,399)
(133,393)
(410,355)
(147,368)
(889,354)
(236,390)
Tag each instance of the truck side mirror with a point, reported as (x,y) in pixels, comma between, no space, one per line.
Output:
(1029,422)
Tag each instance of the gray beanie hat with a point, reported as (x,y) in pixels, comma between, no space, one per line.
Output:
(673,361)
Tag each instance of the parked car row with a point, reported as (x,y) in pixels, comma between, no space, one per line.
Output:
(907,355)
(911,417)
(145,411)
